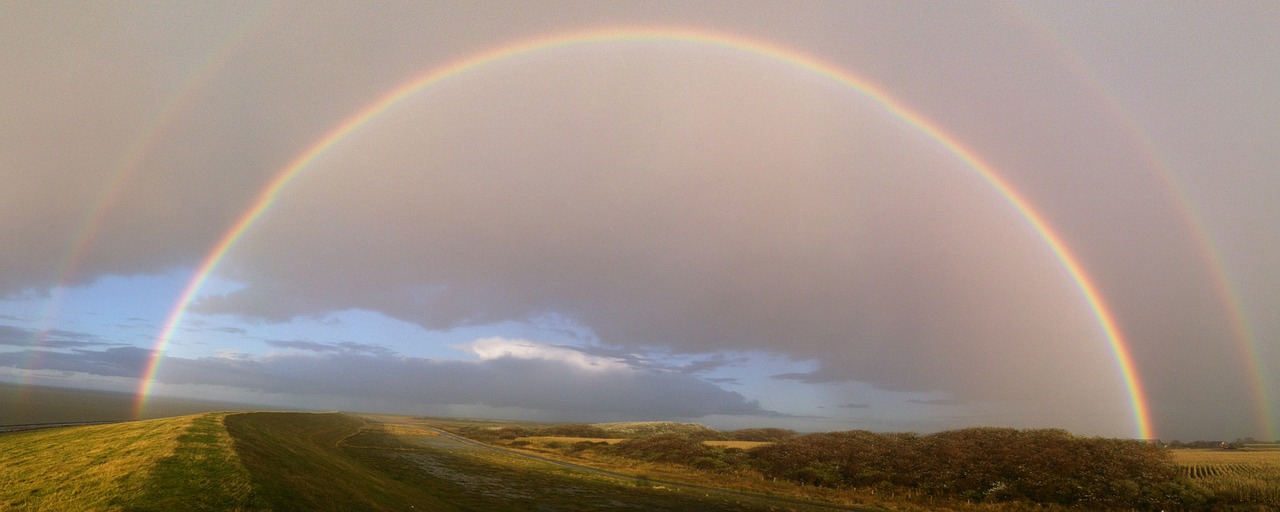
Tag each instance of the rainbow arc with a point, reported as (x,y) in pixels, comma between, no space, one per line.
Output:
(268,195)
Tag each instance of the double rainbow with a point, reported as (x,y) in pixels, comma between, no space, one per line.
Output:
(267,196)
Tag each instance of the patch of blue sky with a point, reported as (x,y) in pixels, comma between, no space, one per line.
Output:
(206,335)
(117,309)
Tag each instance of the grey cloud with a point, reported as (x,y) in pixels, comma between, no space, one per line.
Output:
(501,382)
(111,362)
(855,406)
(52,338)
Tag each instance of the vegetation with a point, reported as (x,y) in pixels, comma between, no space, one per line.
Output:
(1246,477)
(176,463)
(988,464)
(976,466)
(305,461)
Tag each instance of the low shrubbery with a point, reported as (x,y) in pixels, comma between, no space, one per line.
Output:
(976,465)
(1046,466)
(987,464)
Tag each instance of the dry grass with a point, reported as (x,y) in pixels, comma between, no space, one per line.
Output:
(73,469)
(122,466)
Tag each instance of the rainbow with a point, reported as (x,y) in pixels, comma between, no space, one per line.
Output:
(1238,323)
(123,172)
(267,195)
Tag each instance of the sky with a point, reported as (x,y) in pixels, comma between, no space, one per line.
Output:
(891,216)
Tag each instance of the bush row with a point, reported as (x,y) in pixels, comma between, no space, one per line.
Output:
(977,464)
(490,434)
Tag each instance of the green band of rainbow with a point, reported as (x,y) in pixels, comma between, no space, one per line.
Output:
(267,195)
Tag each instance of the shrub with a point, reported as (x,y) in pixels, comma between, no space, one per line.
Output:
(988,465)
(761,435)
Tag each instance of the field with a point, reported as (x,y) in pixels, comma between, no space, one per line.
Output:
(313,461)
(333,461)
(1251,475)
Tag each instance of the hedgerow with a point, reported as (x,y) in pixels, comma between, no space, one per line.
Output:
(988,465)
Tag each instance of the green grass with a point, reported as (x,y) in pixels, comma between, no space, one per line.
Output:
(169,464)
(296,462)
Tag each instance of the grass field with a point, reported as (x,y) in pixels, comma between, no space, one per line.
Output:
(169,464)
(1235,476)
(333,461)
(308,461)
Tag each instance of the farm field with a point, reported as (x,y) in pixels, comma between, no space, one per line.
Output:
(1251,475)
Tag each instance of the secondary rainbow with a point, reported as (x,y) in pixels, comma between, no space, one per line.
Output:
(267,195)
(1246,344)
(1233,310)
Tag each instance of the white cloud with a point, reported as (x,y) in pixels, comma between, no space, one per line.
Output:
(495,348)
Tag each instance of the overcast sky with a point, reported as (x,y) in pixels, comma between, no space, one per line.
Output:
(649,229)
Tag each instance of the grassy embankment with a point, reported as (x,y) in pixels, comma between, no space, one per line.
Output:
(167,464)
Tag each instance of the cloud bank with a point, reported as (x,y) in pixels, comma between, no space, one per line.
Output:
(508,373)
